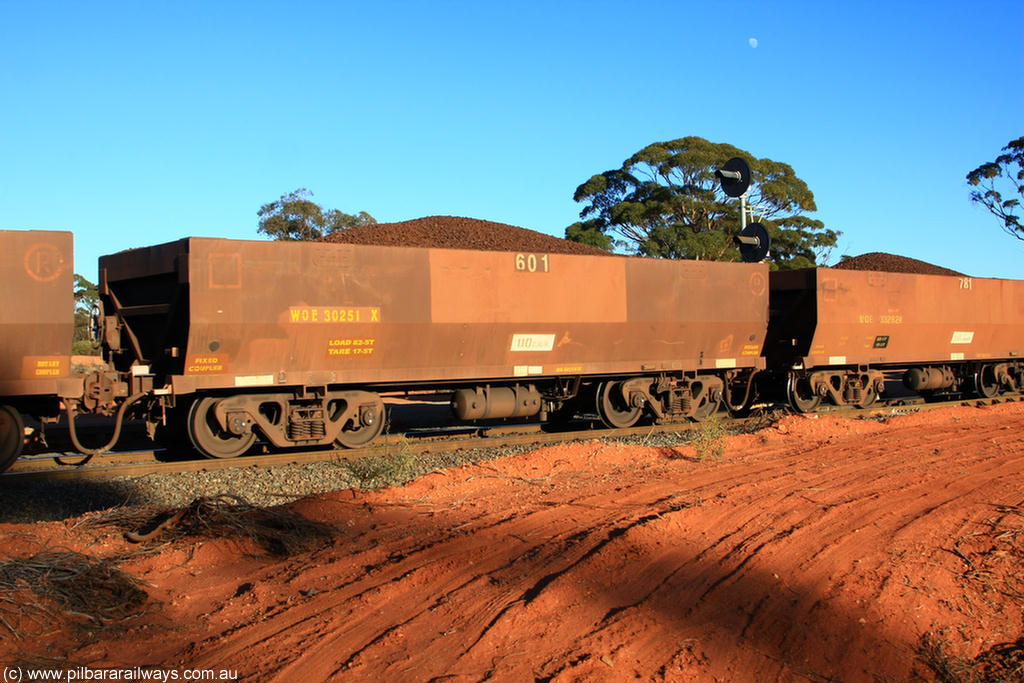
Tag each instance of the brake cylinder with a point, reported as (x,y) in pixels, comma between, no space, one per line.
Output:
(484,403)
(925,379)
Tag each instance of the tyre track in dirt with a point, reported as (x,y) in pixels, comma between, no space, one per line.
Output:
(439,554)
(921,510)
(717,569)
(816,548)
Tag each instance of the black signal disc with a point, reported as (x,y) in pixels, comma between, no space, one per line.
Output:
(752,252)
(734,187)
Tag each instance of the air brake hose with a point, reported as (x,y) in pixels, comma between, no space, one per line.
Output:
(89,452)
(746,394)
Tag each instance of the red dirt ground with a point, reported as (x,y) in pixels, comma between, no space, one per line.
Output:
(818,549)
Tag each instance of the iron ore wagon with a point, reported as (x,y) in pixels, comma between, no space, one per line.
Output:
(295,342)
(36,321)
(835,334)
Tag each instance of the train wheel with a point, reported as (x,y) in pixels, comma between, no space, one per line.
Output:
(209,438)
(367,425)
(12,436)
(985,383)
(613,409)
(707,407)
(868,397)
(801,395)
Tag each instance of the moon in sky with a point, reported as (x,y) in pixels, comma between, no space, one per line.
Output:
(753,42)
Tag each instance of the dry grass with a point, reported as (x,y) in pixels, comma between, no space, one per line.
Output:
(42,590)
(993,556)
(394,467)
(993,566)
(1002,663)
(274,532)
(763,419)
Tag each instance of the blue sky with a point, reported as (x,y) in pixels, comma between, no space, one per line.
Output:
(137,123)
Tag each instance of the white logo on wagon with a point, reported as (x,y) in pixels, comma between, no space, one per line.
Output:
(962,337)
(253,380)
(533,342)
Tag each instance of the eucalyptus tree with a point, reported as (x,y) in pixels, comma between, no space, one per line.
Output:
(665,201)
(297,217)
(1004,176)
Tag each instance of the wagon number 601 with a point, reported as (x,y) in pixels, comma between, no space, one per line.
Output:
(532,263)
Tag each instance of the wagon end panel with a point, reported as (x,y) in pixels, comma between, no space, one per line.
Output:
(793,316)
(144,296)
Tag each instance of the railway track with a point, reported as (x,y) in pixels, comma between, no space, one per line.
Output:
(423,441)
(137,463)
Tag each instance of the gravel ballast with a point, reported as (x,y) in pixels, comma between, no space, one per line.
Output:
(41,501)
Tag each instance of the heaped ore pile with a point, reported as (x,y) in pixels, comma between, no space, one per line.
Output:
(454,232)
(891,263)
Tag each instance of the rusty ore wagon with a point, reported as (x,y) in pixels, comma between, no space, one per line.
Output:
(295,342)
(36,321)
(835,334)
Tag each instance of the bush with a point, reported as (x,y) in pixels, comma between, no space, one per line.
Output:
(710,439)
(85,348)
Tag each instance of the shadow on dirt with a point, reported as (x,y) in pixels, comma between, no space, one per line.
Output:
(39,501)
(613,589)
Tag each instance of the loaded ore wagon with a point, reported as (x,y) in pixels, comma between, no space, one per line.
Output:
(36,323)
(834,334)
(295,342)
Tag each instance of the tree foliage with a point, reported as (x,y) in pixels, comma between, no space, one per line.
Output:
(297,217)
(666,202)
(1004,175)
(86,298)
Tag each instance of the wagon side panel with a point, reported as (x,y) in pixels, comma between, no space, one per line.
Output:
(37,317)
(866,317)
(266,314)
